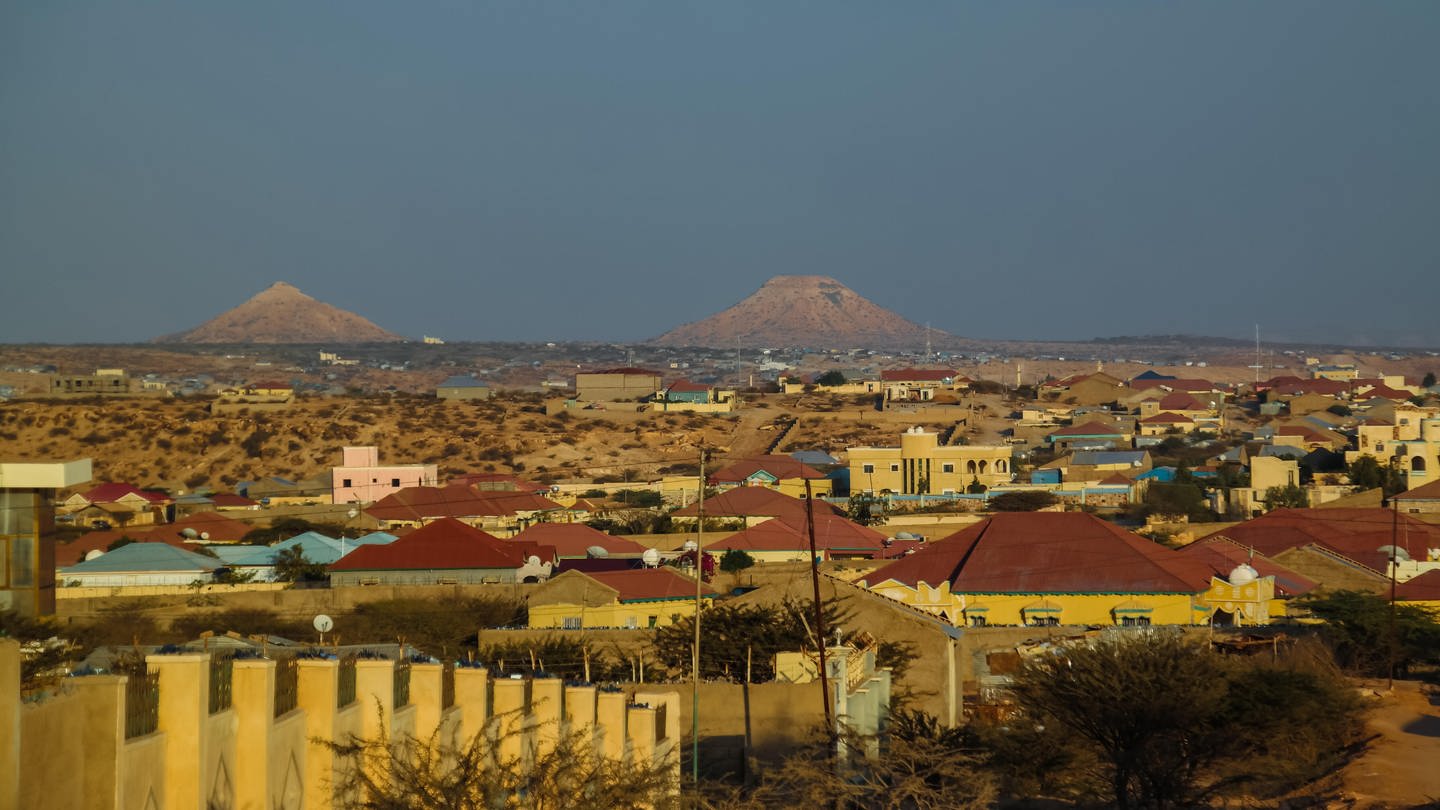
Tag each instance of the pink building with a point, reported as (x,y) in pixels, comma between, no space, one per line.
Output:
(360,478)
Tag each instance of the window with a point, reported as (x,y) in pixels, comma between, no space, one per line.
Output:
(867,468)
(947,468)
(894,468)
(394,482)
(1045,621)
(977,621)
(652,620)
(1135,621)
(345,482)
(632,622)
(570,623)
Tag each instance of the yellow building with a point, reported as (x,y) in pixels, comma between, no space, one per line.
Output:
(777,472)
(1411,441)
(920,466)
(1052,568)
(651,597)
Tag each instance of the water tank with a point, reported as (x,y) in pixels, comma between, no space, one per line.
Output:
(651,557)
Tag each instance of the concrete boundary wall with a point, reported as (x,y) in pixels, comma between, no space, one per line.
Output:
(68,749)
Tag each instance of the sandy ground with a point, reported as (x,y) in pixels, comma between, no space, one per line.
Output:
(1401,769)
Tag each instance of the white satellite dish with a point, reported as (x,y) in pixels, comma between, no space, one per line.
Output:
(690,545)
(651,557)
(93,553)
(204,535)
(323,623)
(596,551)
(190,533)
(535,561)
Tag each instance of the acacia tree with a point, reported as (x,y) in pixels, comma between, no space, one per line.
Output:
(1159,713)
(407,773)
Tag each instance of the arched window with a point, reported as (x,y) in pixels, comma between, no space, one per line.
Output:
(983,467)
(970,466)
(999,466)
(1417,464)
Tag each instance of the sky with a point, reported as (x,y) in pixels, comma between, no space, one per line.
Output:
(608,170)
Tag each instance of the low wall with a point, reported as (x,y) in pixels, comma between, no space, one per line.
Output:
(70,749)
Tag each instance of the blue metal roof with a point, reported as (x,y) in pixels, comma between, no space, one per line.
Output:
(1089,458)
(145,557)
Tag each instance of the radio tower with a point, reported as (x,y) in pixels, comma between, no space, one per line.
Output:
(1257,365)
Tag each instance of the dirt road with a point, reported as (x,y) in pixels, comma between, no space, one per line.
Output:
(1402,767)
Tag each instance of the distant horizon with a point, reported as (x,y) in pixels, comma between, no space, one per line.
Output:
(608,172)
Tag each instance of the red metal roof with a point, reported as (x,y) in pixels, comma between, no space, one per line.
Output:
(455,500)
(446,544)
(109,493)
(1223,555)
(575,539)
(790,534)
(1167,419)
(1355,533)
(649,583)
(782,467)
(1424,588)
(1048,552)
(755,502)
(220,528)
(1090,429)
(1427,492)
(1181,401)
(231,499)
(685,386)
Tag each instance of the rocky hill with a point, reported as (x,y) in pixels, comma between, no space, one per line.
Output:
(282,314)
(802,311)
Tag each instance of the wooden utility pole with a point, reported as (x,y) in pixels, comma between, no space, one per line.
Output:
(819,609)
(699,595)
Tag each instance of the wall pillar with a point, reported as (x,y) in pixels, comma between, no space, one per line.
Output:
(472,696)
(426,685)
(546,695)
(102,777)
(317,693)
(643,723)
(9,724)
(580,716)
(610,723)
(511,704)
(184,706)
(375,691)
(253,701)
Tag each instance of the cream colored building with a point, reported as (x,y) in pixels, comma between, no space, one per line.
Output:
(921,466)
(1413,441)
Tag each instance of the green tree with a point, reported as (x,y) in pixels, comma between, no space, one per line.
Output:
(1429,381)
(1368,473)
(1177,499)
(865,509)
(975,487)
(735,560)
(291,565)
(831,377)
(1022,501)
(1357,628)
(1158,713)
(1290,496)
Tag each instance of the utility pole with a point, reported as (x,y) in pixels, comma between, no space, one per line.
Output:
(1394,563)
(695,661)
(819,612)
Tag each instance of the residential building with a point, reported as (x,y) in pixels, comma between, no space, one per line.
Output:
(686,396)
(503,512)
(104,382)
(1424,499)
(617,385)
(779,472)
(462,387)
(643,598)
(920,466)
(27,531)
(1053,568)
(748,506)
(142,565)
(360,478)
(1097,388)
(576,541)
(788,540)
(1090,436)
(1411,441)
(920,384)
(118,504)
(444,552)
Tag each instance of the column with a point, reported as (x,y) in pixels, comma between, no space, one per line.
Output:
(253,701)
(184,706)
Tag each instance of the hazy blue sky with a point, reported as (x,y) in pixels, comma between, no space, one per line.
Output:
(607,170)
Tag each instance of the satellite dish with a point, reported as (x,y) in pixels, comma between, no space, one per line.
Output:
(554,487)
(533,560)
(651,557)
(596,551)
(190,533)
(204,535)
(323,623)
(93,553)
(690,545)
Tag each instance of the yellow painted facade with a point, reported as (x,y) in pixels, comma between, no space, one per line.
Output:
(1252,603)
(921,466)
(631,615)
(1414,438)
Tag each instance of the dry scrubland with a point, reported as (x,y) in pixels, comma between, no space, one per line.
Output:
(179,445)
